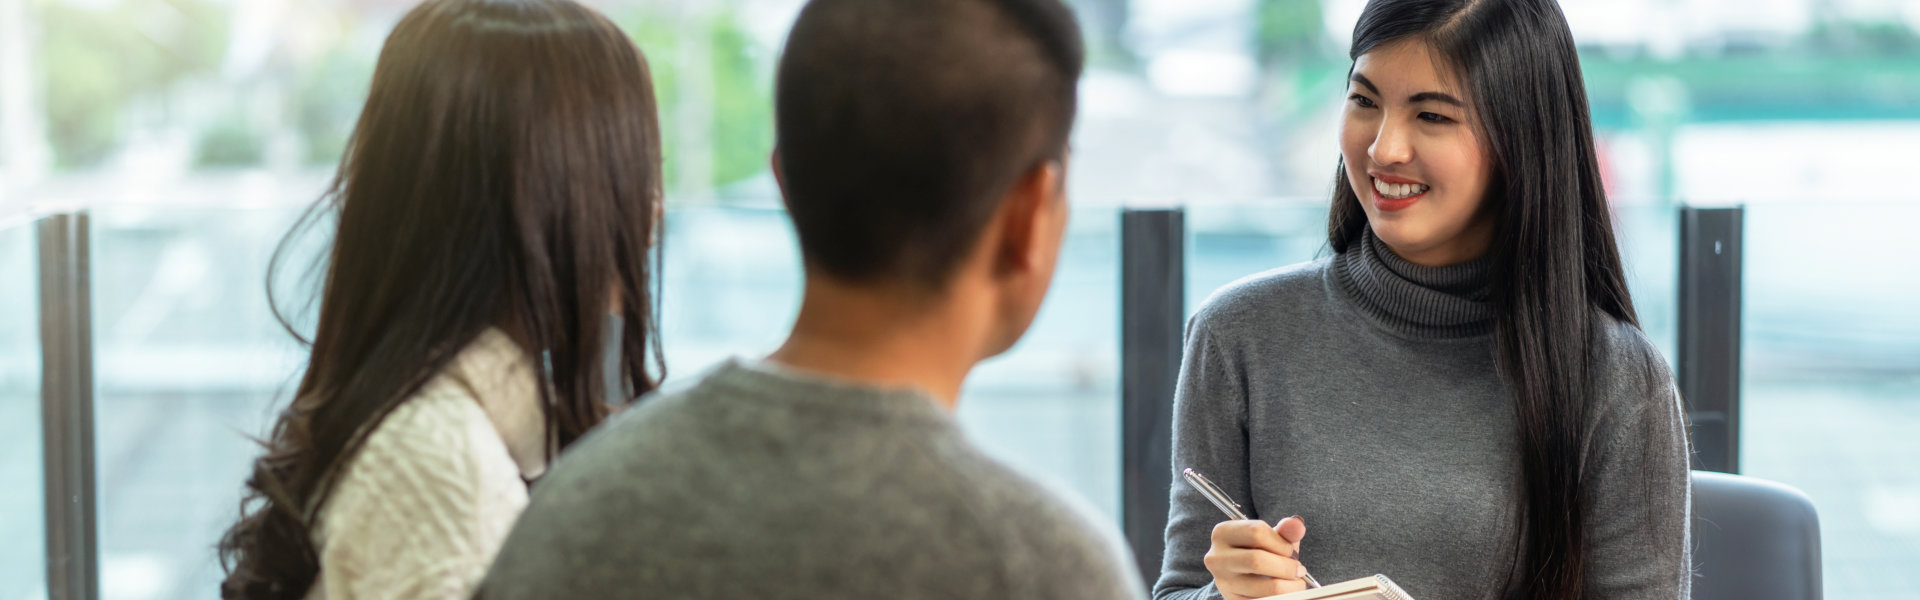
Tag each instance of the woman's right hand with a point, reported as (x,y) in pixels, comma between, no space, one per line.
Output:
(1251,560)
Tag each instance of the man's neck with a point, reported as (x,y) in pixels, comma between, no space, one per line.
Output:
(884,339)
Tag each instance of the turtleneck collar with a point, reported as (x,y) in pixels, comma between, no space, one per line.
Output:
(1416,301)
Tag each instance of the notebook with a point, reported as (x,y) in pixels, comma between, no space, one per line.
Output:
(1377,587)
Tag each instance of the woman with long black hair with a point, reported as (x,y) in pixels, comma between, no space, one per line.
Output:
(1459,397)
(497,201)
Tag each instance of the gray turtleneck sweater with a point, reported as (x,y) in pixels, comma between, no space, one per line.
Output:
(1359,392)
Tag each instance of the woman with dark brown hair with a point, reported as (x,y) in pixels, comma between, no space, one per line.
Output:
(498,199)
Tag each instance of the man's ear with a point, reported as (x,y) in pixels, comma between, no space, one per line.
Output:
(1026,212)
(779,174)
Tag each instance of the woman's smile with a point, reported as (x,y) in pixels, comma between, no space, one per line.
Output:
(1392,193)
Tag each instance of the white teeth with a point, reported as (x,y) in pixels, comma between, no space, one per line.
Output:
(1398,190)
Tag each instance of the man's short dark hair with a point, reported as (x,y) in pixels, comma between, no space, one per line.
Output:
(901,124)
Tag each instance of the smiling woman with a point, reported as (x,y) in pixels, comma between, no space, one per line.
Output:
(1461,396)
(1410,142)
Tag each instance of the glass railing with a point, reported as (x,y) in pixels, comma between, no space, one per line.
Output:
(1830,393)
(189,366)
(1230,240)
(1051,406)
(1648,234)
(732,287)
(22,495)
(189,361)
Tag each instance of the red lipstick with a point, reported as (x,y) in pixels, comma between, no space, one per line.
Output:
(1385,204)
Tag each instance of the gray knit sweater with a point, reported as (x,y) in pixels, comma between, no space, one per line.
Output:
(1359,392)
(760,482)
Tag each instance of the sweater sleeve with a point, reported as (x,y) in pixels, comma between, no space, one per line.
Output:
(1640,490)
(423,507)
(1210,436)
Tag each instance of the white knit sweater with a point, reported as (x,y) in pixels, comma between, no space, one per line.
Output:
(423,506)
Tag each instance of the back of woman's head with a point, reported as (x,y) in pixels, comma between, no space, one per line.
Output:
(505,173)
(1553,261)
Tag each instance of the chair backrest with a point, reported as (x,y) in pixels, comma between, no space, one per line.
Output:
(1753,539)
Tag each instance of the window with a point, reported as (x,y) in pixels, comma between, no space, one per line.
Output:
(194,131)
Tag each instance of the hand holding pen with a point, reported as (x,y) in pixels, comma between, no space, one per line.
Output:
(1249,559)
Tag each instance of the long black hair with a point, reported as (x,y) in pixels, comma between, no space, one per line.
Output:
(1555,266)
(505,173)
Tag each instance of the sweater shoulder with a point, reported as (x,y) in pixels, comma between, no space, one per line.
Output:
(438,440)
(1042,511)
(422,506)
(1260,296)
(1624,352)
(1042,523)
(1631,378)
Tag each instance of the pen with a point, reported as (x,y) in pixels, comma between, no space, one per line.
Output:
(1219,499)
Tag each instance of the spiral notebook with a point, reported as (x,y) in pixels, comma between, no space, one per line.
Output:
(1377,587)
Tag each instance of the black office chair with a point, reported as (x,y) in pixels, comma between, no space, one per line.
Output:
(1753,539)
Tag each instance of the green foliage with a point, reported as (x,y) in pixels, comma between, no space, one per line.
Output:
(231,142)
(1104,24)
(742,106)
(326,102)
(102,62)
(1289,30)
(97,62)
(1864,38)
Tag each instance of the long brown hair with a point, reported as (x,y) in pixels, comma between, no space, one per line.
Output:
(1555,265)
(505,173)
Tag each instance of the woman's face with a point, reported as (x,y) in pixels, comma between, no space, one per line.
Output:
(1414,156)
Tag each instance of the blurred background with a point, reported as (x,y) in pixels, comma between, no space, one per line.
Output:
(195,131)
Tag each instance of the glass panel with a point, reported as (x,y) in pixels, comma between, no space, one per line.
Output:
(731,285)
(1050,406)
(188,364)
(23,568)
(1649,237)
(1230,240)
(1831,386)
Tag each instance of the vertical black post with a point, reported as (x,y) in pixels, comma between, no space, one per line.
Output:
(1709,365)
(1152,313)
(615,392)
(66,407)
